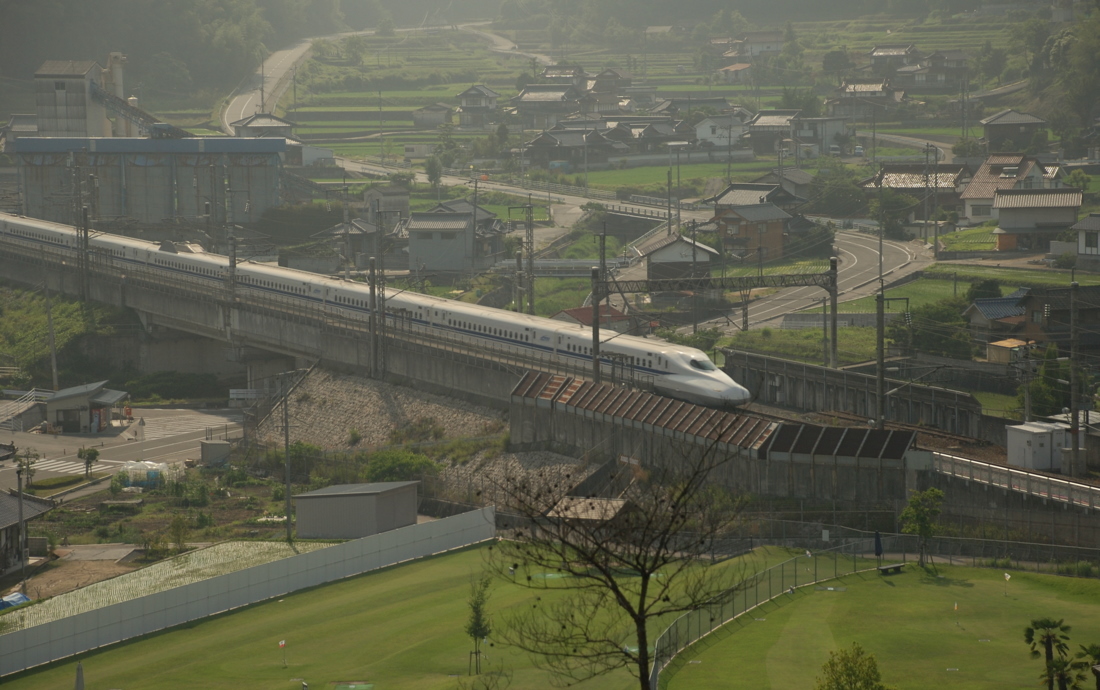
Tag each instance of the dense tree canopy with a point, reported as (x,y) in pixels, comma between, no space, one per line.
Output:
(172,45)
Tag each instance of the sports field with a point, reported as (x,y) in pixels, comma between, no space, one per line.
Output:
(908,622)
(402,628)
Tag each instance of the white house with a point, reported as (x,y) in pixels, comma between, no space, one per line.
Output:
(720,130)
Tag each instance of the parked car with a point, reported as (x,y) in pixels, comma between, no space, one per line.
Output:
(834,150)
(859,151)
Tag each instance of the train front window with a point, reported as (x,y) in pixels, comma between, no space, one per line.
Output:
(703,365)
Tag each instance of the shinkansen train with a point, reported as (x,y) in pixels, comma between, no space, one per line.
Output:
(680,372)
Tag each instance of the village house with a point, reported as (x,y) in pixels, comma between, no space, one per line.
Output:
(1031,218)
(541,106)
(886,59)
(1010,130)
(864,100)
(263,125)
(750,194)
(723,130)
(795,181)
(943,70)
(944,182)
(769,128)
(477,107)
(1004,171)
(755,232)
(991,319)
(610,318)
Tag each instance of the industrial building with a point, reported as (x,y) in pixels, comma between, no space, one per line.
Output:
(353,511)
(150,180)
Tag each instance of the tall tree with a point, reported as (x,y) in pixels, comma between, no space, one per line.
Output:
(1046,637)
(90,456)
(617,565)
(919,518)
(850,669)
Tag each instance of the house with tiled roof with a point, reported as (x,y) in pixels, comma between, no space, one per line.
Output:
(752,193)
(1031,218)
(541,106)
(994,318)
(1004,171)
(770,127)
(887,58)
(754,230)
(477,105)
(795,180)
(1010,130)
(610,317)
(944,182)
(10,512)
(863,99)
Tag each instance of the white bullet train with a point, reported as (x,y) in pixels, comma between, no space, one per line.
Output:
(680,372)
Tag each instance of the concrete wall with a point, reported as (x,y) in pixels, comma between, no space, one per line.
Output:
(780,475)
(42,644)
(819,389)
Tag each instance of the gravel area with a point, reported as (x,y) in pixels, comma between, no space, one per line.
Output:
(327,406)
(483,481)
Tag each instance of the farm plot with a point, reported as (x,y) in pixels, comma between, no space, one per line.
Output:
(203,564)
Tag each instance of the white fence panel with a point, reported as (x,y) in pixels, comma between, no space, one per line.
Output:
(42,644)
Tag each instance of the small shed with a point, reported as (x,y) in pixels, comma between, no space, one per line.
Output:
(83,409)
(1037,445)
(353,511)
(1002,351)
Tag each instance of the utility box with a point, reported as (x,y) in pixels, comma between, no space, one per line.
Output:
(1037,445)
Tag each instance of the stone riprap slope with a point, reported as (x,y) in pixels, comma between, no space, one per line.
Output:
(327,406)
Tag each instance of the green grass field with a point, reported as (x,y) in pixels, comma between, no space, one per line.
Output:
(400,628)
(919,292)
(853,344)
(1011,276)
(908,622)
(980,239)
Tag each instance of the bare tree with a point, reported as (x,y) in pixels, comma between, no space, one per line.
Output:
(604,569)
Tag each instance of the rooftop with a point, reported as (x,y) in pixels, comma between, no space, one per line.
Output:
(756,213)
(1012,117)
(65,68)
(450,222)
(356,489)
(9,508)
(993,308)
(1066,197)
(262,120)
(673,239)
(1089,222)
(583,315)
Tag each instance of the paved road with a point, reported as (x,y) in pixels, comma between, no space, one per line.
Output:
(858,276)
(247,100)
(171,437)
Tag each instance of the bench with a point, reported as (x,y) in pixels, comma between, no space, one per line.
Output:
(892,568)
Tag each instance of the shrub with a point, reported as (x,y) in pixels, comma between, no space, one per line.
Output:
(399,465)
(354,437)
(174,385)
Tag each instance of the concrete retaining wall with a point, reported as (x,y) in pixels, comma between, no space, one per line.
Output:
(49,642)
(819,389)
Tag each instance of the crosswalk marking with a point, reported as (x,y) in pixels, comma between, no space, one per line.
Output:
(68,466)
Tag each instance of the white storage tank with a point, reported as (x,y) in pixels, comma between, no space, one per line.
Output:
(1037,445)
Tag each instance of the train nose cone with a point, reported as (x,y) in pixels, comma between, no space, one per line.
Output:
(736,395)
